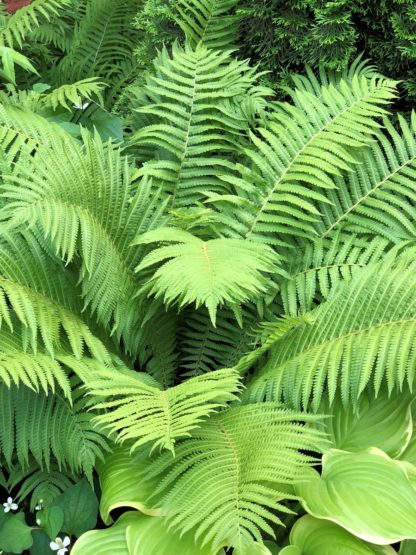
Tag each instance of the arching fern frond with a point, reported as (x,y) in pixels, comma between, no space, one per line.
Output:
(18,25)
(76,93)
(208,22)
(364,333)
(102,45)
(88,207)
(379,197)
(314,269)
(193,130)
(293,163)
(35,426)
(141,412)
(209,273)
(225,483)
(37,484)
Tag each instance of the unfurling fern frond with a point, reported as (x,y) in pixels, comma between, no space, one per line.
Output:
(294,161)
(227,482)
(379,197)
(363,334)
(140,411)
(208,22)
(209,273)
(193,128)
(47,428)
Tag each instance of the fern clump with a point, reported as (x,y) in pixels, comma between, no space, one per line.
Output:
(207,312)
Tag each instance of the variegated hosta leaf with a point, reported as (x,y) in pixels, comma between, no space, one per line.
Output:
(367,493)
(136,534)
(312,536)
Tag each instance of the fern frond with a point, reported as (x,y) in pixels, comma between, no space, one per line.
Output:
(364,333)
(36,484)
(46,428)
(293,163)
(227,482)
(205,347)
(208,273)
(379,197)
(194,129)
(314,269)
(208,22)
(88,207)
(75,93)
(19,25)
(142,412)
(103,44)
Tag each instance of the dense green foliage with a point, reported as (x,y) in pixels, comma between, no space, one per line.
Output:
(207,307)
(284,35)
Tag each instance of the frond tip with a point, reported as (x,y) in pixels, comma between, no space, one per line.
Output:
(208,273)
(138,409)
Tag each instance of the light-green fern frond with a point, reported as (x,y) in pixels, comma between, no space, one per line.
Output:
(227,482)
(364,333)
(194,128)
(293,163)
(140,411)
(379,197)
(209,273)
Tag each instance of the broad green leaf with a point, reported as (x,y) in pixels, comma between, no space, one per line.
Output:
(150,535)
(254,548)
(106,542)
(80,507)
(312,536)
(41,543)
(122,484)
(137,534)
(408,547)
(15,534)
(367,493)
(51,520)
(384,422)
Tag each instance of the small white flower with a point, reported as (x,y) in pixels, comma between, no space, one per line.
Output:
(39,506)
(81,105)
(10,505)
(60,545)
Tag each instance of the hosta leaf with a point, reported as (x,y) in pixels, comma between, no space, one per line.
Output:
(367,493)
(151,536)
(385,422)
(408,547)
(136,534)
(312,536)
(121,484)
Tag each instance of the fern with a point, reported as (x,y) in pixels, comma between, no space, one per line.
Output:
(294,161)
(47,428)
(379,196)
(160,416)
(362,334)
(194,270)
(19,25)
(228,480)
(75,93)
(208,22)
(194,128)
(315,269)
